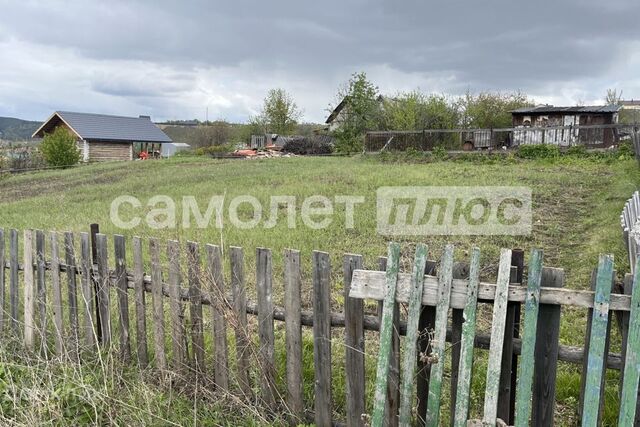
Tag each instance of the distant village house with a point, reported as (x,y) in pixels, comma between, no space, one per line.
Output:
(102,137)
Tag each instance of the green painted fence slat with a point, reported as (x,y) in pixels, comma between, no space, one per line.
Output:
(632,359)
(440,335)
(386,331)
(497,338)
(599,324)
(525,373)
(468,335)
(413,318)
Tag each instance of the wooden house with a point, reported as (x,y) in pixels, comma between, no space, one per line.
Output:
(102,137)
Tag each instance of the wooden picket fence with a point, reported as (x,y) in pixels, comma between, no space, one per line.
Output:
(94,312)
(628,219)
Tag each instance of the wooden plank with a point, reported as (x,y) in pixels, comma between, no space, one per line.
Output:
(508,365)
(29,288)
(369,284)
(439,344)
(72,292)
(393,384)
(56,289)
(427,323)
(466,347)
(140,301)
(517,272)
(13,281)
(3,298)
(238,293)
(525,375)
(386,335)
(195,306)
(413,321)
(264,292)
(89,331)
(322,337)
(629,396)
(95,229)
(497,338)
(103,294)
(123,296)
(41,291)
(293,325)
(598,336)
(175,305)
(460,271)
(219,305)
(158,305)
(546,355)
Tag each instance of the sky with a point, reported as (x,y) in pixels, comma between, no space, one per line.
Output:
(180,59)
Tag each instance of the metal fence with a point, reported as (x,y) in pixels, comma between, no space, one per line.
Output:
(592,136)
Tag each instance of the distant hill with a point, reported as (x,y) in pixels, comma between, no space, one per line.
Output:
(16,129)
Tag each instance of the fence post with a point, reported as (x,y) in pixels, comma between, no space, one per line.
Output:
(140,302)
(87,291)
(354,343)
(218,304)
(175,304)
(29,286)
(123,296)
(292,285)
(95,230)
(13,280)
(72,270)
(41,291)
(264,292)
(240,325)
(322,337)
(546,353)
(58,328)
(195,307)
(157,301)
(102,294)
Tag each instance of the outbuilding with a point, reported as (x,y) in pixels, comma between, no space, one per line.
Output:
(102,137)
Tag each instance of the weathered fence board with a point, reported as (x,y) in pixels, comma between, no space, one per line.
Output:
(123,296)
(629,395)
(264,292)
(56,288)
(546,354)
(219,305)
(3,298)
(41,291)
(445,277)
(195,306)
(386,334)
(29,285)
(236,260)
(460,271)
(178,338)
(531,308)
(72,295)
(322,337)
(411,341)
(293,336)
(13,280)
(466,347)
(102,293)
(158,305)
(599,325)
(497,338)
(89,332)
(140,303)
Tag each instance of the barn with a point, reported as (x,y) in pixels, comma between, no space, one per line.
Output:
(586,125)
(104,138)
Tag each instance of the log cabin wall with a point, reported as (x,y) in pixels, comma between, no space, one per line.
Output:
(101,151)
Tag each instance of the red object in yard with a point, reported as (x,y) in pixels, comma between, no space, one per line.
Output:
(244,153)
(143,155)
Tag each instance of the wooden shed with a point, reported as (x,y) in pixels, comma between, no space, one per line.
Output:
(102,137)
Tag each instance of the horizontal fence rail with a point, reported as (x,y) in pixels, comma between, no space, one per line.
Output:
(94,296)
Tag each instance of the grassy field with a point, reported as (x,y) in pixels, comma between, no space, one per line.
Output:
(576,202)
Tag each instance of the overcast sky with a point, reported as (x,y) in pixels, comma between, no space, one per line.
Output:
(173,59)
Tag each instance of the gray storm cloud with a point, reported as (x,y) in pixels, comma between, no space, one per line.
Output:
(175,59)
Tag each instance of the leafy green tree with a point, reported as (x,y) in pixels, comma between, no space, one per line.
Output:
(360,113)
(280,114)
(213,133)
(415,110)
(59,148)
(490,109)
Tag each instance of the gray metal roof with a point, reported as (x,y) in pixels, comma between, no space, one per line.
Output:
(550,109)
(111,128)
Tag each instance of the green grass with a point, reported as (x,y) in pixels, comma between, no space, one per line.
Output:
(576,201)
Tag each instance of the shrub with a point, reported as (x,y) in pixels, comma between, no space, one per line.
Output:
(59,148)
(541,151)
(309,145)
(577,151)
(625,150)
(439,153)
